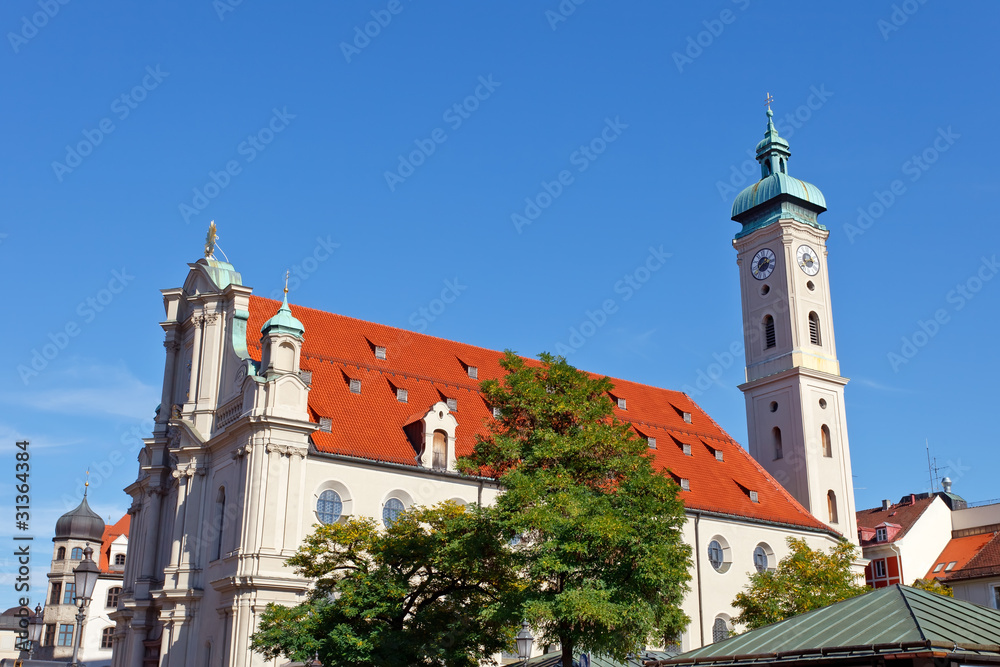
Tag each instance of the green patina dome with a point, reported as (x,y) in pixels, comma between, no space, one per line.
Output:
(773,186)
(776,195)
(283,322)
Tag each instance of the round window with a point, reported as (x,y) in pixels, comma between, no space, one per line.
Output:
(329,507)
(391,511)
(715,554)
(760,559)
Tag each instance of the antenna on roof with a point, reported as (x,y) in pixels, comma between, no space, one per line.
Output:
(930,474)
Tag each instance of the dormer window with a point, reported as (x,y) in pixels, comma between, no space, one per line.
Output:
(719,455)
(473,372)
(621,404)
(379,352)
(753,497)
(452,404)
(881,535)
(496,413)
(685,484)
(686,448)
(687,417)
(326,424)
(355,386)
(651,442)
(401,395)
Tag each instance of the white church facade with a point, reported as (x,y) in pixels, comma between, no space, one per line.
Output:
(274,418)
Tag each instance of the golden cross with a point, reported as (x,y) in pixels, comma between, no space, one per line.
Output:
(768,99)
(286,282)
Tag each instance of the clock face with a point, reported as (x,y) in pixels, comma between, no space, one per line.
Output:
(762,264)
(808,260)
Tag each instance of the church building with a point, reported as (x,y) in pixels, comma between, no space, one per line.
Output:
(278,417)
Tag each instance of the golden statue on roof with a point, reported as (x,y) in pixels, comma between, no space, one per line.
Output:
(210,240)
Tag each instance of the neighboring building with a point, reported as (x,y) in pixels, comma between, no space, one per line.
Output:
(10,632)
(272,421)
(75,531)
(934,536)
(900,540)
(895,626)
(970,561)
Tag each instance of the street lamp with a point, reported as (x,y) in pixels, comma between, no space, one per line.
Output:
(85,575)
(34,630)
(524,642)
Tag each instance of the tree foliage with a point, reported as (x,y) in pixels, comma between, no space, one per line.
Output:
(804,580)
(597,530)
(934,586)
(424,591)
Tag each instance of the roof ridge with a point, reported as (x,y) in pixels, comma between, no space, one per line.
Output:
(388,326)
(900,589)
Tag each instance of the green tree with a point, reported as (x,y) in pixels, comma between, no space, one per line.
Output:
(804,580)
(424,591)
(934,586)
(596,529)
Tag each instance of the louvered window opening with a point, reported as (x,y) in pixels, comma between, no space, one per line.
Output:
(401,395)
(814,329)
(769,339)
(355,386)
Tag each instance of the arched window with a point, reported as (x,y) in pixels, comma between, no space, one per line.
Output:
(61,553)
(776,433)
(108,637)
(76,553)
(119,559)
(781,162)
(113,594)
(329,507)
(440,461)
(769,339)
(824,433)
(720,630)
(391,511)
(814,337)
(831,502)
(217,520)
(767,167)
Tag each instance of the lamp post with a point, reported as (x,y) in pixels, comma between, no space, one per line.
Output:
(34,630)
(85,574)
(524,642)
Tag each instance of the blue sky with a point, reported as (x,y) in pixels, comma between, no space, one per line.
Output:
(129,128)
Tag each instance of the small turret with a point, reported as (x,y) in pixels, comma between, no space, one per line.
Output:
(281,341)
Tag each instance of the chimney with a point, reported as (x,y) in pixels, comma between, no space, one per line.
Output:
(886,504)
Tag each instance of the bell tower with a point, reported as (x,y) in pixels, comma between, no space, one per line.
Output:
(797,428)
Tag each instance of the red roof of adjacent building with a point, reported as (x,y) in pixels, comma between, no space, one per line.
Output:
(903,514)
(111,533)
(974,556)
(960,551)
(370,425)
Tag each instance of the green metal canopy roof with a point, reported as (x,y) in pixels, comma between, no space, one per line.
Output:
(893,619)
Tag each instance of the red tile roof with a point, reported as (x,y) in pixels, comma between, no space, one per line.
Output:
(370,424)
(960,550)
(904,514)
(111,533)
(983,561)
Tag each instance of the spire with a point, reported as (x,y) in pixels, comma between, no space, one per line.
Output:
(772,151)
(283,321)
